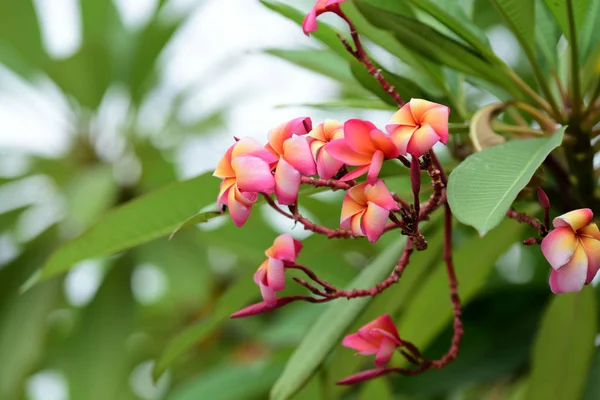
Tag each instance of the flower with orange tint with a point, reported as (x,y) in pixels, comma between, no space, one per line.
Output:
(379,337)
(270,276)
(366,208)
(363,146)
(573,251)
(295,158)
(246,170)
(327,165)
(310,21)
(418,125)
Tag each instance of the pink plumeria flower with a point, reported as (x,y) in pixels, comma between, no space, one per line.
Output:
(270,276)
(246,170)
(418,125)
(366,208)
(327,165)
(295,158)
(364,146)
(310,21)
(573,251)
(379,337)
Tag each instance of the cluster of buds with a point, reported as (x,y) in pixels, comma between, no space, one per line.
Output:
(338,156)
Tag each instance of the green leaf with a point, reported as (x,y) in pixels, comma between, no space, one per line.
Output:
(20,35)
(564,347)
(228,382)
(589,34)
(592,389)
(376,389)
(141,220)
(520,16)
(558,8)
(454,18)
(329,328)
(483,187)
(473,263)
(195,220)
(366,104)
(238,294)
(547,34)
(480,131)
(434,45)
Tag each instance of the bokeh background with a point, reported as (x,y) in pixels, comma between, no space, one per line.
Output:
(103,101)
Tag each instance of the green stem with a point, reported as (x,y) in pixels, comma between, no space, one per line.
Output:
(499,126)
(547,124)
(551,109)
(574,61)
(591,103)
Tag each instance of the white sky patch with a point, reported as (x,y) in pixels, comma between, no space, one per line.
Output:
(136,13)
(47,385)
(60,22)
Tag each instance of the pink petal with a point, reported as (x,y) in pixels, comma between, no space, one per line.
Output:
(238,211)
(327,166)
(225,187)
(276,274)
(357,342)
(349,209)
(327,131)
(247,146)
(383,323)
(591,230)
(422,141)
(401,117)
(284,131)
(437,118)
(356,224)
(572,276)
(374,220)
(286,248)
(418,108)
(576,219)
(375,166)
(591,247)
(385,352)
(380,195)
(357,134)
(287,183)
(260,276)
(401,137)
(253,174)
(340,150)
(355,173)
(296,151)
(558,246)
(310,22)
(224,169)
(268,295)
(384,143)
(357,193)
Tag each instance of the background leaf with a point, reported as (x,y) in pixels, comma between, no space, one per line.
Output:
(483,187)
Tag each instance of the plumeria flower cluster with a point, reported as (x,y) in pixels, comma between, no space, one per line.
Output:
(349,156)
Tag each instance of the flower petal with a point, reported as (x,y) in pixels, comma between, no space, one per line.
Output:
(590,230)
(286,248)
(357,193)
(422,141)
(260,276)
(591,247)
(355,173)
(375,166)
(558,246)
(224,169)
(418,108)
(268,295)
(287,183)
(340,150)
(374,220)
(238,211)
(356,224)
(247,146)
(357,134)
(437,118)
(384,143)
(380,195)
(284,131)
(327,166)
(576,219)
(276,274)
(385,352)
(401,137)
(296,151)
(310,22)
(224,190)
(572,276)
(383,323)
(349,209)
(401,117)
(357,342)
(253,174)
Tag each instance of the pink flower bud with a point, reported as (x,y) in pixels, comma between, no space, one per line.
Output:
(365,376)
(379,337)
(262,307)
(310,21)
(543,198)
(573,251)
